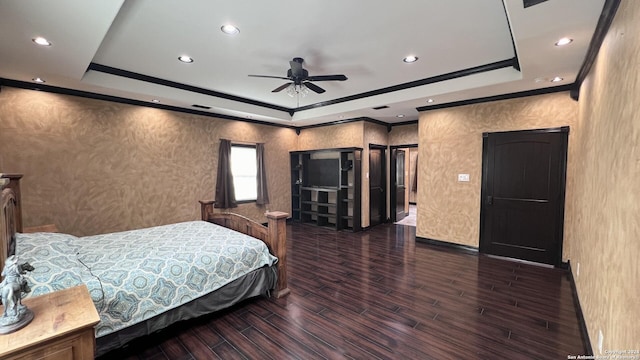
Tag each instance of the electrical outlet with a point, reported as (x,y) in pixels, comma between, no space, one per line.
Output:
(600,340)
(463,177)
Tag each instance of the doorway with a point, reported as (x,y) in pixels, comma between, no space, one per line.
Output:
(377,185)
(523,190)
(403,184)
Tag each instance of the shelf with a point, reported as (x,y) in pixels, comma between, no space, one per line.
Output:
(313,188)
(335,201)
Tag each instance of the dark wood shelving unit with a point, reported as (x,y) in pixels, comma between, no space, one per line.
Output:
(325,187)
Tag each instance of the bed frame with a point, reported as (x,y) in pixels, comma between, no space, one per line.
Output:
(274,235)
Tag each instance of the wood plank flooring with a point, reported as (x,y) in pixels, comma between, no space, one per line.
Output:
(378,294)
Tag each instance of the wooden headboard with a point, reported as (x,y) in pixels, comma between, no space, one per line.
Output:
(10,218)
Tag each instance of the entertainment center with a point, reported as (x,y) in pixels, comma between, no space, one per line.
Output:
(325,187)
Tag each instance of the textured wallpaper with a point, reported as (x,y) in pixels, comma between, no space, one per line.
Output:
(605,231)
(451,144)
(93,166)
(327,137)
(404,135)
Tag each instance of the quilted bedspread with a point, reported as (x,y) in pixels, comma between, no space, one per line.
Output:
(135,275)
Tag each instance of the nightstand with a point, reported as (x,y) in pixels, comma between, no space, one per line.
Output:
(62,328)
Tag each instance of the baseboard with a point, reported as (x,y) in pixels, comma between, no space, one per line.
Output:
(584,333)
(448,245)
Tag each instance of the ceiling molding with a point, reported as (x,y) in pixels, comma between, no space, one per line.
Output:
(528,3)
(430,80)
(96,96)
(520,94)
(516,64)
(604,23)
(513,62)
(176,85)
(410,122)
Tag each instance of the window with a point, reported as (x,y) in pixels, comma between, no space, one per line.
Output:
(245,172)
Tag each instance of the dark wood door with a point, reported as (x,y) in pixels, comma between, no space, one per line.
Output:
(399,184)
(523,184)
(377,187)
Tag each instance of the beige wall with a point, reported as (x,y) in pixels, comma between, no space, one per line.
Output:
(451,144)
(327,137)
(605,231)
(404,135)
(93,166)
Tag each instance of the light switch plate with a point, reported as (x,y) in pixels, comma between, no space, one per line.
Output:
(463,177)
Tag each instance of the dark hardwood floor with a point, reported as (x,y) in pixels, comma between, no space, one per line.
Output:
(378,294)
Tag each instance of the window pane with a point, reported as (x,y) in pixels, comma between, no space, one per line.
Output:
(244,170)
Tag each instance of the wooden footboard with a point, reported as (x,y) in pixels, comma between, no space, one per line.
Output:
(274,235)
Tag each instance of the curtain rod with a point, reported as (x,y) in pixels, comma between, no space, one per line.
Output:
(244,142)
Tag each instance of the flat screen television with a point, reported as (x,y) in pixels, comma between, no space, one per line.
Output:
(322,172)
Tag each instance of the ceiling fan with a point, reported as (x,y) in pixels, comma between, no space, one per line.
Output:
(300,79)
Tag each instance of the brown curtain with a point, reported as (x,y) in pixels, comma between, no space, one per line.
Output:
(263,194)
(225,192)
(414,186)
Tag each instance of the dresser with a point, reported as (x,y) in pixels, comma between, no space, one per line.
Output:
(62,328)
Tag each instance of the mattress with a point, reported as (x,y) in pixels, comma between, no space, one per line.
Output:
(137,275)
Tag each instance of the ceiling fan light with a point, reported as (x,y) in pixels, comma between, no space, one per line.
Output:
(294,90)
(230,29)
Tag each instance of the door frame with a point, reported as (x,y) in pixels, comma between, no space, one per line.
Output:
(563,184)
(383,173)
(392,171)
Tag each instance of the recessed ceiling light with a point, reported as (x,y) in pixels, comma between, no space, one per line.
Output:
(410,59)
(155,100)
(41,41)
(229,29)
(400,115)
(185,59)
(38,80)
(429,100)
(557,79)
(564,41)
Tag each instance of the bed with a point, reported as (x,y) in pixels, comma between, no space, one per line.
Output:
(144,280)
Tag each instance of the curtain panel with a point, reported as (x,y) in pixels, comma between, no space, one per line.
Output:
(225,192)
(263,194)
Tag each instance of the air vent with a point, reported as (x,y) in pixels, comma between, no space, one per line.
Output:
(201,106)
(528,3)
(380,107)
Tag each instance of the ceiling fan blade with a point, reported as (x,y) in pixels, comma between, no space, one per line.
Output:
(327,78)
(281,87)
(296,67)
(314,87)
(270,77)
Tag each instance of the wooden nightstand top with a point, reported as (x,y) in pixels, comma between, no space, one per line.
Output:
(55,315)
